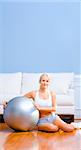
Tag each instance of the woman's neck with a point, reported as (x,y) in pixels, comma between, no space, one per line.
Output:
(43,90)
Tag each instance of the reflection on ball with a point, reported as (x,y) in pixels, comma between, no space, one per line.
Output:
(21,114)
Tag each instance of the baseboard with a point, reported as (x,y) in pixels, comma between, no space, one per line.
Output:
(77,119)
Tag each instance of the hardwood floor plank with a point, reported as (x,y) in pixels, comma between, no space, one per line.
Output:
(36,140)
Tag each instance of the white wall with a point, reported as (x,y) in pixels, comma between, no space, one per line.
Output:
(39,37)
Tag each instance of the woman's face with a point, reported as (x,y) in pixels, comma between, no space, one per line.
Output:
(44,82)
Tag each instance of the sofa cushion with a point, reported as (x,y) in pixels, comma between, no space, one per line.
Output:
(10,83)
(61,83)
(65,110)
(30,81)
(65,100)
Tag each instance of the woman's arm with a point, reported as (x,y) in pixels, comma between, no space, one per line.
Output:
(30,95)
(49,109)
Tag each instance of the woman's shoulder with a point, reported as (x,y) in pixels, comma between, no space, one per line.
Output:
(53,93)
(31,94)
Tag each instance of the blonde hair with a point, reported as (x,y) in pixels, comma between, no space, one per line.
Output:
(44,74)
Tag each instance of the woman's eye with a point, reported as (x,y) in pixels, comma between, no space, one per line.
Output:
(43,80)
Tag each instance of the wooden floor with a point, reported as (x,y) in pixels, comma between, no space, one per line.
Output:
(35,140)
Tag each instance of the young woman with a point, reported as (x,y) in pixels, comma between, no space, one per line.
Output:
(45,102)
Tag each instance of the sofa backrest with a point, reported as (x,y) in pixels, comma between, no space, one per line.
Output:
(20,83)
(61,83)
(10,83)
(30,82)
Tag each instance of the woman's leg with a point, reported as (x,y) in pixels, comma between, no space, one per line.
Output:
(49,127)
(63,125)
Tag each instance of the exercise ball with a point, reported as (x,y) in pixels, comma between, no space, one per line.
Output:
(21,114)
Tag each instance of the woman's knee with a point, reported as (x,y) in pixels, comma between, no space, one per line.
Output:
(55,128)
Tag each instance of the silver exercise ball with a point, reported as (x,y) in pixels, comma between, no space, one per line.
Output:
(21,114)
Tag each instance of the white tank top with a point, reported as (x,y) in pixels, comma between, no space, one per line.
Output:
(43,102)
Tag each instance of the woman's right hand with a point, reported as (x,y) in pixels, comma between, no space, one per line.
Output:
(37,106)
(5,104)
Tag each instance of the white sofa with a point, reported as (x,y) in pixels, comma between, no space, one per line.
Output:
(17,84)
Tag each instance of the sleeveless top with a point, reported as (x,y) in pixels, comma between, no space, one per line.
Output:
(43,102)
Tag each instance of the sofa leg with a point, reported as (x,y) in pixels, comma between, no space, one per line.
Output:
(1,118)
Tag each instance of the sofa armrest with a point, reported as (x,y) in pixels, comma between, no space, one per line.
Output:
(1,109)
